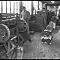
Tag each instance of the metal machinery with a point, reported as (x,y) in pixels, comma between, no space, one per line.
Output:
(11,41)
(46,35)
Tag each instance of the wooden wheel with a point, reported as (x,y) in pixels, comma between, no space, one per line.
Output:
(4,33)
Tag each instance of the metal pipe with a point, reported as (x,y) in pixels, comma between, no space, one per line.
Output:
(38,5)
(9,19)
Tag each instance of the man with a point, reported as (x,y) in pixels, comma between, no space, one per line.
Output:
(44,14)
(25,15)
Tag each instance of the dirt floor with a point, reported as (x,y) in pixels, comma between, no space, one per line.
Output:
(38,50)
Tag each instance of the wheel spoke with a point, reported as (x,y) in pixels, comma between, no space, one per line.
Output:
(9,50)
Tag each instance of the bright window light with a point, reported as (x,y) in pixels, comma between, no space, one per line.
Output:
(27,4)
(52,1)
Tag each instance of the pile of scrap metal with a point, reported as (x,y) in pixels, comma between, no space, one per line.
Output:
(13,35)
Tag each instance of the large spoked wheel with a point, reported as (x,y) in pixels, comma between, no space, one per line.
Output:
(4,37)
(10,46)
(6,43)
(4,33)
(13,48)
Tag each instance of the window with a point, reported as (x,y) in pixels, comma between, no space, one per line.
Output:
(12,7)
(40,6)
(15,6)
(8,7)
(0,6)
(35,5)
(27,4)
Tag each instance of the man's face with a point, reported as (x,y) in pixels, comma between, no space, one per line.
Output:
(43,10)
(24,9)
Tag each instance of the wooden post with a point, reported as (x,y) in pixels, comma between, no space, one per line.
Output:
(10,6)
(1,6)
(20,6)
(46,6)
(38,5)
(31,7)
(6,6)
(42,5)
